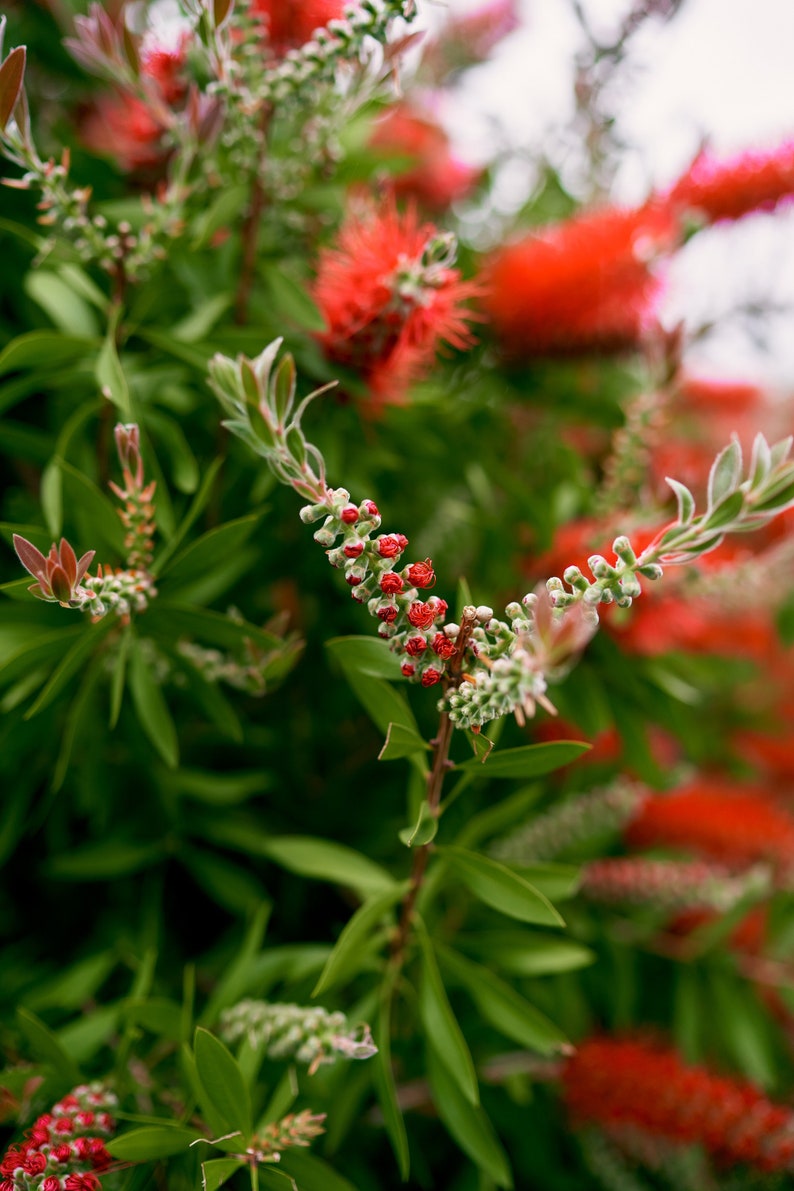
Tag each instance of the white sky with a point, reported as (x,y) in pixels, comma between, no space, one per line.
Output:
(720,72)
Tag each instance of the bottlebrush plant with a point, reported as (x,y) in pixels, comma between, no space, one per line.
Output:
(470,865)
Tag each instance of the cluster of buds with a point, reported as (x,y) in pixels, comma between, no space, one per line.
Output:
(309,1035)
(64,579)
(488,667)
(295,1129)
(64,1148)
(571,823)
(671,884)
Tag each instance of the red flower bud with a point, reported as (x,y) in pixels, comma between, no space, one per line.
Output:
(353,580)
(349,515)
(408,669)
(353,549)
(51,1183)
(370,508)
(443,646)
(387,613)
(391,583)
(415,646)
(430,677)
(421,574)
(61,1153)
(392,544)
(35,1163)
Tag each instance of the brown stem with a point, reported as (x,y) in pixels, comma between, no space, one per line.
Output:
(435,783)
(250,240)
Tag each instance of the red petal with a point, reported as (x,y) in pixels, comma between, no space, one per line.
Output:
(68,561)
(84,564)
(60,586)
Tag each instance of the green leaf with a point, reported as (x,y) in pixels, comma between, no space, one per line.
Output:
(501,888)
(423,831)
(173,620)
(238,976)
(201,320)
(401,741)
(365,655)
(441,1026)
(47,1048)
(685,499)
(158,1015)
(152,709)
(323,860)
(531,953)
(211,550)
(383,704)
(68,666)
(51,496)
(151,1142)
(725,474)
(723,513)
(197,506)
(227,884)
(218,1171)
(467,1123)
(85,1036)
(504,1008)
(557,881)
(387,1093)
(67,309)
(97,513)
(531,760)
(72,988)
(312,1173)
(222,212)
(291,298)
(220,789)
(110,374)
(81,716)
(104,860)
(118,678)
(350,950)
(37,348)
(223,1082)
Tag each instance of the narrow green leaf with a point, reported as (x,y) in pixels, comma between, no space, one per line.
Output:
(220,789)
(152,709)
(68,666)
(97,513)
(384,1082)
(197,506)
(725,474)
(441,1026)
(685,500)
(557,881)
(51,496)
(367,655)
(291,299)
(401,741)
(110,374)
(103,861)
(211,549)
(467,1123)
(350,949)
(201,320)
(227,884)
(67,309)
(218,1171)
(530,953)
(241,972)
(78,718)
(36,348)
(223,1082)
(312,1173)
(501,888)
(158,1015)
(47,1048)
(504,1008)
(724,512)
(531,760)
(323,860)
(151,1142)
(119,675)
(173,619)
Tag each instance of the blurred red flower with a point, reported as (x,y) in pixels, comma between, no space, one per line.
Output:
(292,22)
(434,178)
(728,189)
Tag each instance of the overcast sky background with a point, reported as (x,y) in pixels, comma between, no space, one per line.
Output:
(720,72)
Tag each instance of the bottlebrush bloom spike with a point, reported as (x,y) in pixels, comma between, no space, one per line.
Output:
(734,187)
(670,884)
(390,297)
(290,25)
(733,824)
(646,1089)
(583,285)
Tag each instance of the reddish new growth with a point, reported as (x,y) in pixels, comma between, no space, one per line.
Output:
(64,1148)
(735,187)
(580,286)
(735,825)
(290,25)
(390,298)
(636,1089)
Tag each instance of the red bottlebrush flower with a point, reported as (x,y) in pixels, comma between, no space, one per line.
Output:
(636,1085)
(291,24)
(408,669)
(391,583)
(35,1163)
(100,1158)
(392,544)
(734,824)
(422,616)
(82,1182)
(431,676)
(731,188)
(390,297)
(580,286)
(415,646)
(61,1153)
(421,574)
(435,178)
(442,645)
